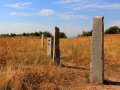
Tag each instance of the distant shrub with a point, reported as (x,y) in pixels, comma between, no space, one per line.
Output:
(86,33)
(63,35)
(24,34)
(13,35)
(47,34)
(113,30)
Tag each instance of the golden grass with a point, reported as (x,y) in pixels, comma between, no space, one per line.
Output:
(24,62)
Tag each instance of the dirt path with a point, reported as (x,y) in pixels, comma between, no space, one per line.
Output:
(81,79)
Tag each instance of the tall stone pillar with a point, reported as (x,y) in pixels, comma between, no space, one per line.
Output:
(97,57)
(42,41)
(50,47)
(56,48)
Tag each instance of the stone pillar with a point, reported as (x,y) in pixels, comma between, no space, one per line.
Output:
(50,47)
(56,49)
(42,41)
(97,57)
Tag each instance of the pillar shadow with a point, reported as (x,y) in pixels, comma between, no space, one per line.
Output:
(109,82)
(73,67)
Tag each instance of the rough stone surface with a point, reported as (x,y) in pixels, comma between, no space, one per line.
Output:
(50,47)
(97,57)
(56,49)
(42,41)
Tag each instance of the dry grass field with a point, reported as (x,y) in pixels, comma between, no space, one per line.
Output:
(24,65)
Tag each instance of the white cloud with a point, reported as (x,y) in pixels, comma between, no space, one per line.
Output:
(89,4)
(46,12)
(73,30)
(18,5)
(97,6)
(20,14)
(26,14)
(22,27)
(42,12)
(114,23)
(68,1)
(13,13)
(72,16)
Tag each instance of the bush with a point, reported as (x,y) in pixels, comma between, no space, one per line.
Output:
(63,35)
(87,33)
(113,30)
(47,34)
(12,34)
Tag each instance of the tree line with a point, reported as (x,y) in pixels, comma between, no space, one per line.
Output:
(111,30)
(46,34)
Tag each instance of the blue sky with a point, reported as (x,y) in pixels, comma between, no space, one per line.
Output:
(71,16)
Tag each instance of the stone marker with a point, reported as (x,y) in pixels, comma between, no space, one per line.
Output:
(42,41)
(50,47)
(97,57)
(56,49)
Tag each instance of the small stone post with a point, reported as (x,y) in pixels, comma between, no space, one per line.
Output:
(97,57)
(42,41)
(50,47)
(56,49)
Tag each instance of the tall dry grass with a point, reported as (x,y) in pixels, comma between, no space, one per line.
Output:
(24,62)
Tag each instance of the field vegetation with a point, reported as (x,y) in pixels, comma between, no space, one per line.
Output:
(24,65)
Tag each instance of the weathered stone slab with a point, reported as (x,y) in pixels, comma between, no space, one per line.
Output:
(56,48)
(42,41)
(97,57)
(50,47)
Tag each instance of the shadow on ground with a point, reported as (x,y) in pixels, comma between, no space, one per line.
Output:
(109,82)
(74,67)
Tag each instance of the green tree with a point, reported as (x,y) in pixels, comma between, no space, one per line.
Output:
(12,34)
(63,35)
(113,30)
(24,34)
(37,34)
(47,34)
